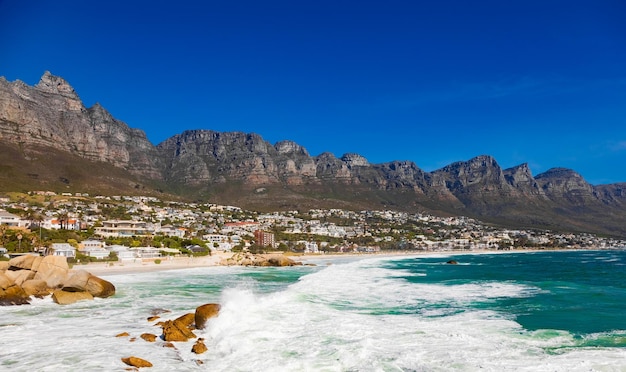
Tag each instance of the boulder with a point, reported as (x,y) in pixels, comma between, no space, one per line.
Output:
(82,280)
(54,270)
(187,320)
(452,262)
(5,281)
(148,337)
(280,260)
(77,281)
(13,295)
(36,287)
(176,331)
(123,334)
(4,266)
(205,312)
(136,362)
(23,262)
(19,276)
(199,347)
(247,259)
(36,262)
(99,287)
(65,298)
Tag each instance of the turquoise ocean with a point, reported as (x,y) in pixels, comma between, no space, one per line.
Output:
(531,311)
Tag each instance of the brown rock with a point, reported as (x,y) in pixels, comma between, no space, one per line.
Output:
(20,276)
(199,347)
(4,266)
(123,334)
(54,270)
(176,331)
(136,362)
(280,260)
(153,318)
(158,311)
(77,281)
(82,280)
(169,344)
(205,312)
(99,287)
(187,320)
(36,287)
(148,337)
(24,262)
(13,295)
(36,263)
(65,298)
(5,281)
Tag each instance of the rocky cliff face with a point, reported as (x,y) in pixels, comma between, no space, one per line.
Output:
(51,116)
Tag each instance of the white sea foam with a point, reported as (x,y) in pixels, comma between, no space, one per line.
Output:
(357,316)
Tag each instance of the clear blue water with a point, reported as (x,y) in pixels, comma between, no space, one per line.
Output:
(580,292)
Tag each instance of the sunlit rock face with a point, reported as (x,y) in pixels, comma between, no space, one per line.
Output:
(51,114)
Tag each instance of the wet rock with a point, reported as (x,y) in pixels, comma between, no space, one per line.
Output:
(205,312)
(148,337)
(136,362)
(65,298)
(199,347)
(187,320)
(13,295)
(176,331)
(36,287)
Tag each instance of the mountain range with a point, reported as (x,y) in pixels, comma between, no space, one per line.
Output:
(50,141)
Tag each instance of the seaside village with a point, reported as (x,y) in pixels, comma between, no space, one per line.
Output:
(86,228)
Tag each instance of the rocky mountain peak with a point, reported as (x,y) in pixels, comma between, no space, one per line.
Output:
(565,183)
(57,85)
(353,160)
(290,148)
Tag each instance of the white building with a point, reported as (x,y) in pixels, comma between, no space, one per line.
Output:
(63,249)
(11,220)
(123,253)
(117,228)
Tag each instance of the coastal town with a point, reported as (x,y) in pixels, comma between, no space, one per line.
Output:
(87,228)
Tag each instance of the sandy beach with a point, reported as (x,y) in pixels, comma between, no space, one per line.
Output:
(216,259)
(148,265)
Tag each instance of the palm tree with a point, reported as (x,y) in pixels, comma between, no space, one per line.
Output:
(63,218)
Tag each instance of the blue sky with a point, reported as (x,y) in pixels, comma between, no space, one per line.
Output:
(541,82)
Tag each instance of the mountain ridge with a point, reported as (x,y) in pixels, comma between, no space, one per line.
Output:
(244,169)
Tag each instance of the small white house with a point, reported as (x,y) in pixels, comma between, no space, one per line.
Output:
(11,220)
(63,249)
(98,253)
(123,252)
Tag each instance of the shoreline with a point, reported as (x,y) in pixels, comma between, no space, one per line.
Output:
(215,260)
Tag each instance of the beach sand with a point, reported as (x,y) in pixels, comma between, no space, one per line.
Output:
(216,258)
(148,265)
